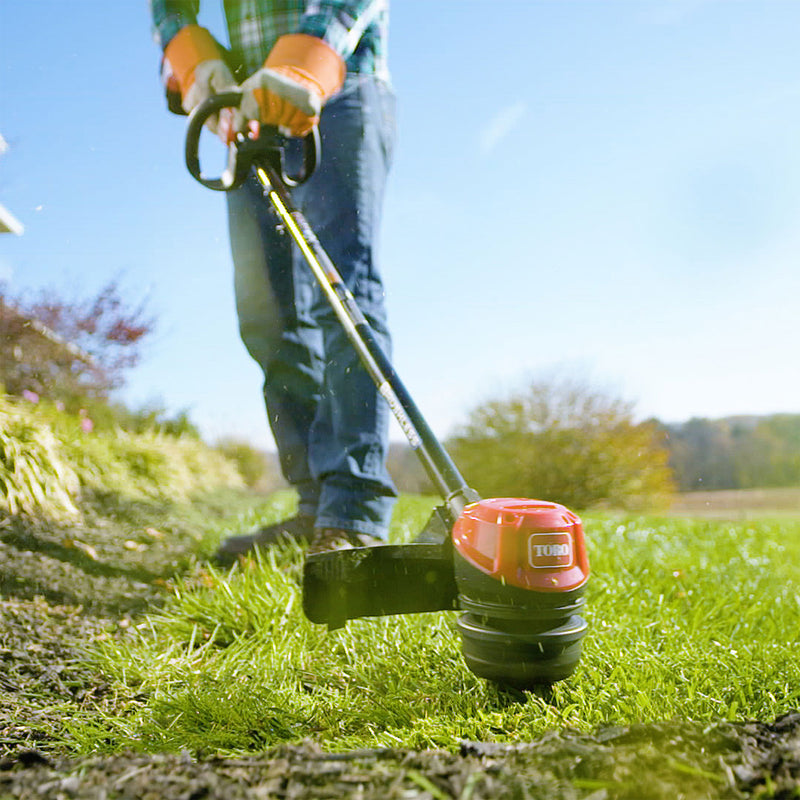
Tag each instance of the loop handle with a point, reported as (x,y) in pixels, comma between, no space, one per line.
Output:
(244,151)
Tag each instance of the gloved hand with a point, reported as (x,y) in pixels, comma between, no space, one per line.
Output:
(300,74)
(196,63)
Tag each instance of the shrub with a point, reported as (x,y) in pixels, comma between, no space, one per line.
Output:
(70,350)
(150,464)
(563,441)
(48,458)
(256,467)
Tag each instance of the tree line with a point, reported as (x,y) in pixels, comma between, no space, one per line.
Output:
(743,452)
(564,440)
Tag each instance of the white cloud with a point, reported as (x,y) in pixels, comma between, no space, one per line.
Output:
(501,125)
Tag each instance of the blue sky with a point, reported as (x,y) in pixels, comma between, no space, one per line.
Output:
(601,188)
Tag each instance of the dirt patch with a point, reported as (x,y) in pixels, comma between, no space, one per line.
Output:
(43,670)
(667,761)
(64,586)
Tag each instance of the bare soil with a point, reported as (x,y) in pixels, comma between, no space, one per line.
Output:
(63,587)
(656,761)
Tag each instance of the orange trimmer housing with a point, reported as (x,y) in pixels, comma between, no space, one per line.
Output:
(531,544)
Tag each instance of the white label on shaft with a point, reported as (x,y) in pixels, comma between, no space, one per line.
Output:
(400,414)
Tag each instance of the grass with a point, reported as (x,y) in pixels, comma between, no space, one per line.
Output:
(34,477)
(689,619)
(49,465)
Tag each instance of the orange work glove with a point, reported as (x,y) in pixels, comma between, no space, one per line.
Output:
(196,63)
(288,92)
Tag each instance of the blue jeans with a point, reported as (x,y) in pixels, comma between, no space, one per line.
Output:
(329,423)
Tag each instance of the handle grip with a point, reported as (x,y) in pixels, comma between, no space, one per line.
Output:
(244,151)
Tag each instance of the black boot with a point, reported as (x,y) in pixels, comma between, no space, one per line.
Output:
(299,528)
(326,540)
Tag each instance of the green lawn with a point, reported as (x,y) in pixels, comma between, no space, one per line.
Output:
(689,619)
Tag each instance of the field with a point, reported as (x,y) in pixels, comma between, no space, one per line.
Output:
(740,504)
(126,661)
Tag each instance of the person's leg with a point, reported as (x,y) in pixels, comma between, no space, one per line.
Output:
(329,422)
(343,203)
(274,296)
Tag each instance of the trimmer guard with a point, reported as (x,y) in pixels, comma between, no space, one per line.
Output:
(388,579)
(376,581)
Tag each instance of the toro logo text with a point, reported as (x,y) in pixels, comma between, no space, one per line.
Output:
(550,550)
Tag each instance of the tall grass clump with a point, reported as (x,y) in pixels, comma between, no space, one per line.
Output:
(35,477)
(50,461)
(691,620)
(149,465)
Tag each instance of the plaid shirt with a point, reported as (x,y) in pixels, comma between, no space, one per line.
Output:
(355,29)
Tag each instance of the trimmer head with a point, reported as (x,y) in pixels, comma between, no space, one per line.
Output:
(515,568)
(520,568)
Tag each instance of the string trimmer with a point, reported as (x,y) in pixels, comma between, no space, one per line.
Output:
(516,568)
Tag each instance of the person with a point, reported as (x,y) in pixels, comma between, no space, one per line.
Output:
(301,63)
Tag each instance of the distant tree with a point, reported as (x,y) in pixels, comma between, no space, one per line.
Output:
(70,350)
(564,441)
(741,452)
(701,454)
(770,455)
